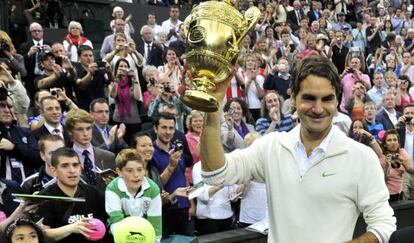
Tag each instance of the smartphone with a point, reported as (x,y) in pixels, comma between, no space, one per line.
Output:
(230,112)
(196,190)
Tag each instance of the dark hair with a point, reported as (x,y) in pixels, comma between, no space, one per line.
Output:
(62,152)
(164,55)
(50,97)
(165,116)
(241,102)
(407,79)
(117,64)
(386,134)
(22,222)
(364,126)
(409,105)
(139,135)
(318,66)
(83,48)
(95,101)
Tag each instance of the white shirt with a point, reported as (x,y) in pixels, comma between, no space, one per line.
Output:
(392,116)
(409,143)
(252,98)
(51,129)
(167,25)
(215,207)
(304,162)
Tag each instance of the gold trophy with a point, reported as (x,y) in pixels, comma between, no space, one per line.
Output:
(214,30)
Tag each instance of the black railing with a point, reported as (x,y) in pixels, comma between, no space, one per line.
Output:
(403,210)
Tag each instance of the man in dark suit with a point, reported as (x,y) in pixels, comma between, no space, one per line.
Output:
(151,51)
(180,44)
(294,16)
(51,111)
(315,12)
(388,116)
(105,136)
(30,51)
(19,154)
(93,159)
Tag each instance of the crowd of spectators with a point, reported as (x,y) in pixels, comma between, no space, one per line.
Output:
(67,118)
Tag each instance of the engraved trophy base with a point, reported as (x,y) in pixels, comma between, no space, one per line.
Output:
(199,100)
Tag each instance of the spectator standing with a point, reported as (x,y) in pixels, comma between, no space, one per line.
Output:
(118,13)
(177,218)
(30,51)
(149,49)
(74,40)
(107,44)
(171,25)
(373,126)
(92,79)
(377,92)
(395,162)
(126,91)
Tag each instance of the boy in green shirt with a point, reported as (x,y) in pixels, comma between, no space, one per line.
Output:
(133,194)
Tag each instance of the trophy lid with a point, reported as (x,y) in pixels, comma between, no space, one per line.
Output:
(230,2)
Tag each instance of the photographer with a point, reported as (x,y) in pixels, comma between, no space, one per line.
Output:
(359,132)
(18,92)
(150,74)
(126,91)
(92,79)
(168,93)
(395,162)
(8,51)
(54,74)
(373,34)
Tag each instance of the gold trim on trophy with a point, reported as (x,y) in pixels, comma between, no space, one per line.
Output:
(214,30)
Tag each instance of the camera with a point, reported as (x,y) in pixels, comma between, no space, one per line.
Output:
(53,92)
(230,112)
(395,163)
(4,46)
(167,88)
(178,145)
(152,81)
(101,65)
(408,119)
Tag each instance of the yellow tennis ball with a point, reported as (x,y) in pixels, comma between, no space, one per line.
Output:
(134,229)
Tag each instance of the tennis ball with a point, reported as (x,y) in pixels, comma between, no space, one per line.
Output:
(134,229)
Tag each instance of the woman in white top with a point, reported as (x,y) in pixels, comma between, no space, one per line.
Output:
(172,67)
(253,84)
(75,39)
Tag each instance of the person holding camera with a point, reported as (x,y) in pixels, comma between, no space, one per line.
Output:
(92,79)
(168,94)
(359,131)
(395,162)
(150,74)
(18,93)
(169,160)
(126,92)
(235,127)
(56,75)
(373,34)
(8,51)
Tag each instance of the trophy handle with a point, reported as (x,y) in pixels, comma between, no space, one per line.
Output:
(251,16)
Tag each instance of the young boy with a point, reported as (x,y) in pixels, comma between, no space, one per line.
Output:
(133,194)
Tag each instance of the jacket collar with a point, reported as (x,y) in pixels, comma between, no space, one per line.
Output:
(335,146)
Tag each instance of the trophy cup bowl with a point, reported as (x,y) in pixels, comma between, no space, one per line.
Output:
(214,30)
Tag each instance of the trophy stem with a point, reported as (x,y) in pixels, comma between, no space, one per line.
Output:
(199,98)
